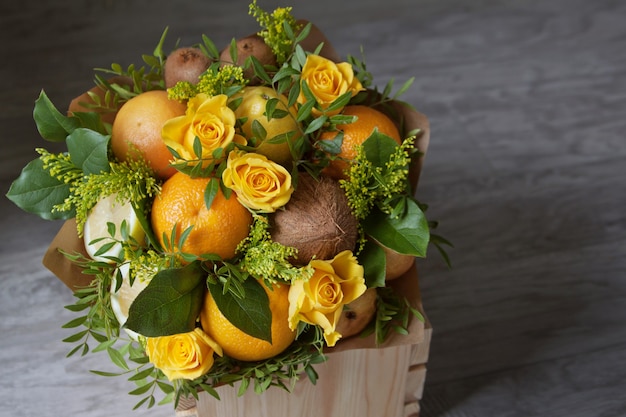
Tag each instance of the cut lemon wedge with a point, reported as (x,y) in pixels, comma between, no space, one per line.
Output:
(96,230)
(124,297)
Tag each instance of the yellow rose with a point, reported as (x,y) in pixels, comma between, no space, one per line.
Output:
(260,183)
(183,356)
(210,120)
(320,299)
(327,81)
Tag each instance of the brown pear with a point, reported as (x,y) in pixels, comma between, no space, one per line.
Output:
(357,314)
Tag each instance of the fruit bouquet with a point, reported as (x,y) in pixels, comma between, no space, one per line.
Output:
(232,216)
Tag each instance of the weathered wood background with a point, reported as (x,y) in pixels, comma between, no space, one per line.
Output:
(525,172)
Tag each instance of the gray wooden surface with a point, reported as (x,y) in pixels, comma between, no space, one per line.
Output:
(527,101)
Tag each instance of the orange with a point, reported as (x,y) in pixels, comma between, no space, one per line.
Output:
(241,346)
(217,229)
(354,134)
(138,125)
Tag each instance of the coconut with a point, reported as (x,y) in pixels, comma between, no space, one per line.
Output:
(185,64)
(317,221)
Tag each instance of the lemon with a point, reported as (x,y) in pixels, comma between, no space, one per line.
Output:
(252,107)
(96,231)
(124,296)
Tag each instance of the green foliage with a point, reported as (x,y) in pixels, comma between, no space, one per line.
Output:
(378,174)
(264,258)
(69,184)
(140,78)
(251,313)
(393,313)
(228,80)
(170,304)
(278,29)
(281,371)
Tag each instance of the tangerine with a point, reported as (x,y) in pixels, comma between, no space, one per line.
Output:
(137,128)
(240,345)
(354,134)
(217,229)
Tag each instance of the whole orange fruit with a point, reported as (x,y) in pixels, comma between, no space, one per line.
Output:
(242,346)
(354,134)
(217,229)
(137,128)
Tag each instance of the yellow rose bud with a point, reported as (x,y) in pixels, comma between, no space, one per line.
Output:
(183,356)
(320,299)
(327,81)
(210,120)
(260,183)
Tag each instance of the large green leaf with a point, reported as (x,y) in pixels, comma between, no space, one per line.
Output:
(251,314)
(89,150)
(373,259)
(170,304)
(379,148)
(408,233)
(51,124)
(35,191)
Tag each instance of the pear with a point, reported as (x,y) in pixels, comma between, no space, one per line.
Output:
(357,314)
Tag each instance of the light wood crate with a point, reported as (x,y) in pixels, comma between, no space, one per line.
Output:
(355,381)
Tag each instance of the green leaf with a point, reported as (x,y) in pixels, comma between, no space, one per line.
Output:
(170,304)
(89,150)
(332,146)
(117,358)
(75,322)
(379,148)
(373,259)
(232,50)
(209,47)
(251,314)
(211,190)
(304,33)
(316,124)
(407,234)
(258,131)
(340,102)
(51,124)
(36,192)
(259,71)
(407,84)
(90,120)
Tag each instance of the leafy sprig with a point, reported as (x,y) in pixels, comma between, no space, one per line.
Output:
(278,29)
(282,371)
(267,259)
(393,313)
(217,79)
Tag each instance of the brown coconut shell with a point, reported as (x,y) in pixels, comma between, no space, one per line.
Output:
(317,221)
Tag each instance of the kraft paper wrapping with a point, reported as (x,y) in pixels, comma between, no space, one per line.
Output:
(68,241)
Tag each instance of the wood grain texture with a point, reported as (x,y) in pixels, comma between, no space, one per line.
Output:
(525,172)
(365,383)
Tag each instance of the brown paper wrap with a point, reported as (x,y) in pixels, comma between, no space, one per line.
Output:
(68,241)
